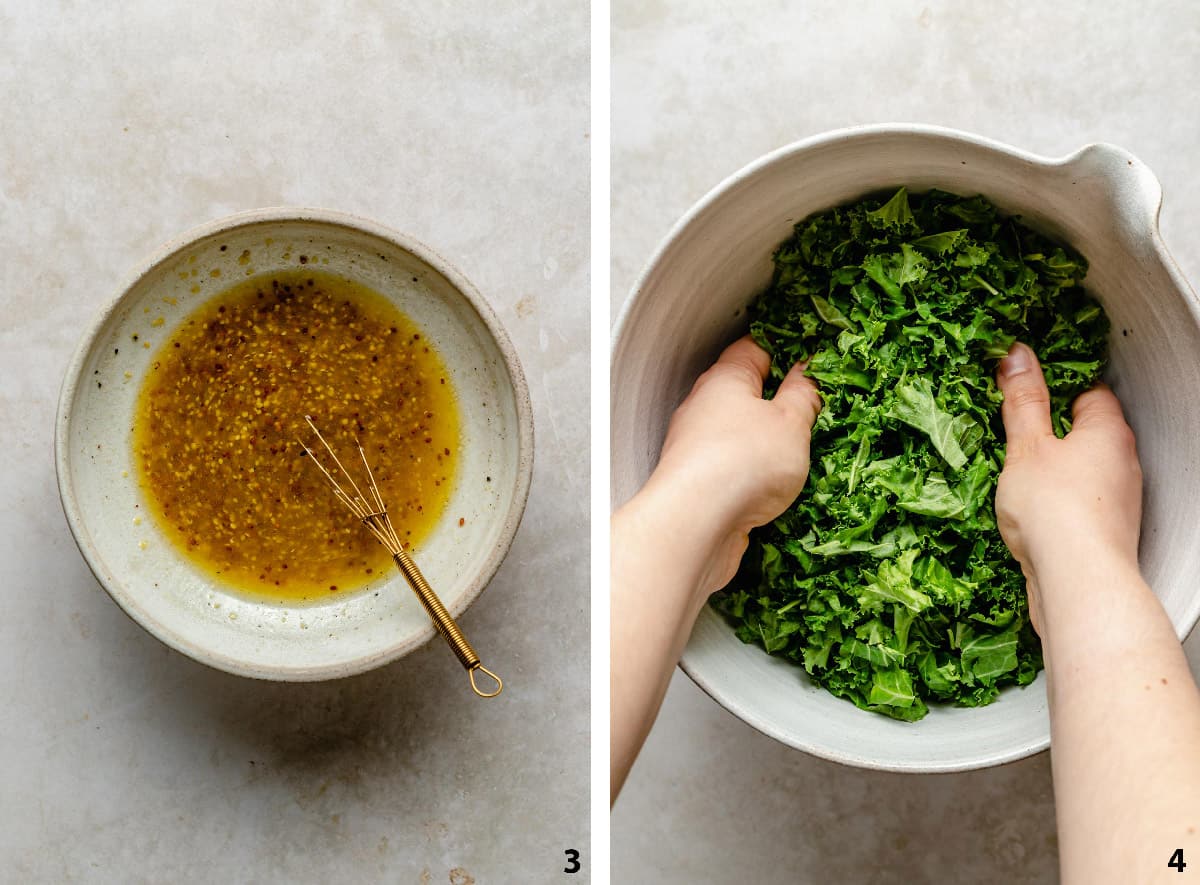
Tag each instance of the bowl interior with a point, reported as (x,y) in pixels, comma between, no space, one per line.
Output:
(691,301)
(180,604)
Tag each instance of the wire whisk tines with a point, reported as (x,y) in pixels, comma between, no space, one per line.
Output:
(372,512)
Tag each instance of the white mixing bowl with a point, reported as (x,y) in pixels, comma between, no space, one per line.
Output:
(184,606)
(691,301)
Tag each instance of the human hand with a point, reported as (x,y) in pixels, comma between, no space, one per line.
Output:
(732,460)
(1060,502)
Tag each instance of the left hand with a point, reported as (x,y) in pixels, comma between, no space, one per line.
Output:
(733,458)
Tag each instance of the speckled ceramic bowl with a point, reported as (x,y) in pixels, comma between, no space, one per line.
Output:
(691,300)
(157,586)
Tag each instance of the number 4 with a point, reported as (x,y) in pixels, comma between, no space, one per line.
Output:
(1176,861)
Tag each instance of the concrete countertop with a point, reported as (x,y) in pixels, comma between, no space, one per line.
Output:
(701,88)
(464,125)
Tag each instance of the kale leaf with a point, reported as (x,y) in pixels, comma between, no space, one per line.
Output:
(887,579)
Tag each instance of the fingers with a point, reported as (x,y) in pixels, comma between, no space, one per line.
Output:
(799,392)
(1026,407)
(1097,406)
(744,362)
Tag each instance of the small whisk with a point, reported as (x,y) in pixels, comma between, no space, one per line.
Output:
(374,516)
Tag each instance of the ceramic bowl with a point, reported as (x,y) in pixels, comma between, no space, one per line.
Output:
(157,586)
(691,299)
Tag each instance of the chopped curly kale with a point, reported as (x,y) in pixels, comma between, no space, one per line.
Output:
(887,578)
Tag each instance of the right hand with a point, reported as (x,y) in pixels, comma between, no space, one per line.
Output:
(1062,499)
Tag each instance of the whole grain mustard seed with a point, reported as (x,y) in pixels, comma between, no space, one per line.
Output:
(220,411)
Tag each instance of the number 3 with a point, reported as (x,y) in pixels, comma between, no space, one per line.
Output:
(572,861)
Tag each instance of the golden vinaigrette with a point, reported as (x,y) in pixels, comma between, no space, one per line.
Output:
(223,404)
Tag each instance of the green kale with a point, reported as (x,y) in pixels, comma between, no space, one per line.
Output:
(887,579)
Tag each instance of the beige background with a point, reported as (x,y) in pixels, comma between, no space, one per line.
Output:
(701,88)
(463,124)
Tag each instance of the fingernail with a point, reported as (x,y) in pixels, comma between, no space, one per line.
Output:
(1019,359)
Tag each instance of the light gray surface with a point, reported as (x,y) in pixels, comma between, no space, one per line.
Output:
(459,124)
(700,89)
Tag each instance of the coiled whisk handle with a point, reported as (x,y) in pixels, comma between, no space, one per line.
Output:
(445,624)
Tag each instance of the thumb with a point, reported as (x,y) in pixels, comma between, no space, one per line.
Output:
(1026,407)
(798,393)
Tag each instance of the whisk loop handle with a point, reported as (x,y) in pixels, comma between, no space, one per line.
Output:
(445,624)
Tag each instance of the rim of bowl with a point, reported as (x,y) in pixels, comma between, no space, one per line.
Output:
(285,214)
(846,133)
(633,299)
